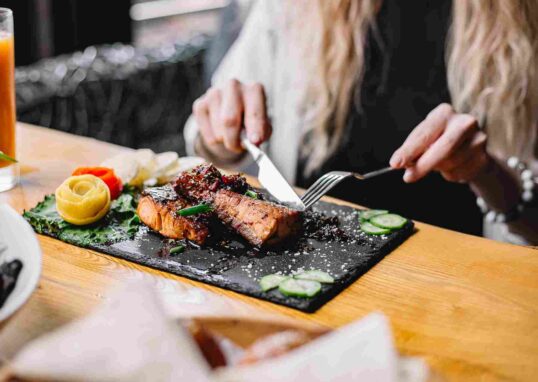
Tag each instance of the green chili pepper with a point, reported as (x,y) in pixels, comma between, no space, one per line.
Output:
(199,209)
(177,249)
(251,194)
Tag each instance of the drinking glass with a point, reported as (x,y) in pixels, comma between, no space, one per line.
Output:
(9,171)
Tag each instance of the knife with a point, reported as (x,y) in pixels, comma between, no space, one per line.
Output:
(271,179)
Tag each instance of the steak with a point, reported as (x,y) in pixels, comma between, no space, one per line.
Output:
(157,209)
(259,221)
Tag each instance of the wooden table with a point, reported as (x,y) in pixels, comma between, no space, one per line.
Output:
(469,306)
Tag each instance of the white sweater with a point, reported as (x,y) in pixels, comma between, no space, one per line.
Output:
(259,56)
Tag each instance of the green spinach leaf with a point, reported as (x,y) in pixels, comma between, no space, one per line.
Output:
(121,223)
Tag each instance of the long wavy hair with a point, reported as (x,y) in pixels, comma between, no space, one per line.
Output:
(492,68)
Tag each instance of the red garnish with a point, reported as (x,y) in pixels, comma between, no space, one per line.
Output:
(107,175)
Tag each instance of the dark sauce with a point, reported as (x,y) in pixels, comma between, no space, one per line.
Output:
(323,228)
(316,226)
(169,244)
(9,272)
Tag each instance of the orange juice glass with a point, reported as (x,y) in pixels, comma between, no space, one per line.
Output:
(9,172)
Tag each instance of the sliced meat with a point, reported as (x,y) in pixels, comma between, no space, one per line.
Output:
(200,184)
(258,221)
(157,209)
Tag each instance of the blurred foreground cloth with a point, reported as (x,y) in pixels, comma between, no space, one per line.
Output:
(131,338)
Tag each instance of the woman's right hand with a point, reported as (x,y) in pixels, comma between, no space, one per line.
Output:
(222,113)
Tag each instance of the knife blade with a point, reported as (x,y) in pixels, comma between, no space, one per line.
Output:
(271,179)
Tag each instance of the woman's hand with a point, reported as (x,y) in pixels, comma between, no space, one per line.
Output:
(447,142)
(221,114)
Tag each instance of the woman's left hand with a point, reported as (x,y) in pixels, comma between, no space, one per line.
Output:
(447,142)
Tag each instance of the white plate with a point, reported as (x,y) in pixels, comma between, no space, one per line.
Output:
(22,244)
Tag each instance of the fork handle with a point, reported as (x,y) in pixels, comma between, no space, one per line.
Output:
(375,173)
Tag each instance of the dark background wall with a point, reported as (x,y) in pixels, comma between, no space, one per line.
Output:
(106,76)
(45,28)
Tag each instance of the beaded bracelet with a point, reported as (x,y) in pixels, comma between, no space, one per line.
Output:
(528,182)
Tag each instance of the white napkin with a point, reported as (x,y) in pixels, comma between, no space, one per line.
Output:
(361,351)
(131,339)
(127,339)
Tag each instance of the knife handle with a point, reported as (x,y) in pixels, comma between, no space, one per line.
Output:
(251,148)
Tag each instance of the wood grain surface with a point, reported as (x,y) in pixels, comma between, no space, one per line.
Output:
(468,305)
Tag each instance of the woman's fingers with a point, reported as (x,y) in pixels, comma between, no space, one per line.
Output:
(214,99)
(255,119)
(468,172)
(231,113)
(445,141)
(424,135)
(200,111)
(465,164)
(473,146)
(221,114)
(458,128)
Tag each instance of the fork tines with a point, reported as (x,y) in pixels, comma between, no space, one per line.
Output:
(326,182)
(323,185)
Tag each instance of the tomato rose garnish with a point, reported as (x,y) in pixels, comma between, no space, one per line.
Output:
(107,175)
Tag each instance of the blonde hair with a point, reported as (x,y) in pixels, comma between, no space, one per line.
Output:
(492,68)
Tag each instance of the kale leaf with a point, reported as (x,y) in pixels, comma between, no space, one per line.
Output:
(121,223)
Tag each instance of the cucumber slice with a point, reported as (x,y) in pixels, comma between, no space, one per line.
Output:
(316,275)
(373,230)
(271,281)
(368,214)
(389,221)
(299,288)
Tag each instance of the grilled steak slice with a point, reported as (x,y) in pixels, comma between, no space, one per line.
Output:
(258,221)
(157,209)
(201,184)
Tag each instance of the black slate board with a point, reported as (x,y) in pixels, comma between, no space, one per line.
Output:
(238,266)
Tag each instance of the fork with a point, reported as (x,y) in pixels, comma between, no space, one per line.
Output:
(326,182)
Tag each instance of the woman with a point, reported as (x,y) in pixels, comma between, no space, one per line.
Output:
(447,91)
